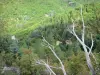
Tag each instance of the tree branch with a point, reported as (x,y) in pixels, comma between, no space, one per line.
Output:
(52,50)
(83,30)
(85,47)
(41,62)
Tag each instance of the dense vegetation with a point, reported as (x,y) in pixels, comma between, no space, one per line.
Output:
(31,29)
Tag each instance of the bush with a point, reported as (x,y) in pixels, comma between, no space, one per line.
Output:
(76,64)
(5,43)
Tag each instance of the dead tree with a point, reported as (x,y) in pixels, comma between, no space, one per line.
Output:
(81,41)
(48,67)
(54,53)
(13,69)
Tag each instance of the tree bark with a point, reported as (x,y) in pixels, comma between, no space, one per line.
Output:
(89,64)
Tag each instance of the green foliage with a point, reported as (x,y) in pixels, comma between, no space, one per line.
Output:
(3,27)
(97,66)
(5,42)
(23,13)
(8,58)
(27,62)
(97,43)
(77,64)
(29,19)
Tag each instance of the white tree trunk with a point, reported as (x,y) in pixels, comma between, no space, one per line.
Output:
(85,47)
(88,60)
(52,50)
(90,64)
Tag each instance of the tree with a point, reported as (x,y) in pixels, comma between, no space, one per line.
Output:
(85,47)
(54,53)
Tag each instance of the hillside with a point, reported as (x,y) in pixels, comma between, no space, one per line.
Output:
(49,37)
(25,15)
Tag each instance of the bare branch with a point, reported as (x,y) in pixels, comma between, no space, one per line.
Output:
(90,51)
(41,62)
(74,33)
(52,50)
(85,47)
(83,30)
(91,44)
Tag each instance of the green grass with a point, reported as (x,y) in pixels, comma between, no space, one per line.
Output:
(23,16)
(29,14)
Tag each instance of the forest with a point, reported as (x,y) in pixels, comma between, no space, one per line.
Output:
(49,37)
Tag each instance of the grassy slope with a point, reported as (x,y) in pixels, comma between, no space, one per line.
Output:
(26,15)
(23,16)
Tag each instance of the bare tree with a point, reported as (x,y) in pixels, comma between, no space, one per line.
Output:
(13,69)
(48,67)
(54,53)
(81,41)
